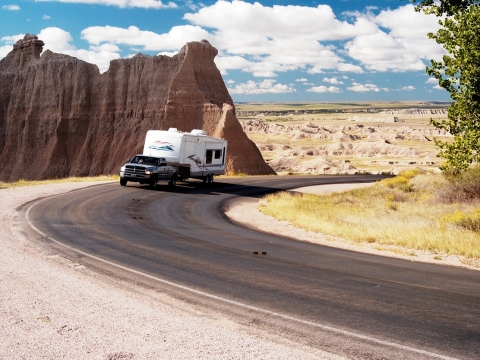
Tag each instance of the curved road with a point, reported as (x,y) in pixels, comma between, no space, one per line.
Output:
(180,242)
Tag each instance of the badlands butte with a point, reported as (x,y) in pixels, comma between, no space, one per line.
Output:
(60,117)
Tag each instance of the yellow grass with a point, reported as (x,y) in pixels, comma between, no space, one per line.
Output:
(379,215)
(20,183)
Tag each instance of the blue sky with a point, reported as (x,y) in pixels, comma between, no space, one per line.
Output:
(343,50)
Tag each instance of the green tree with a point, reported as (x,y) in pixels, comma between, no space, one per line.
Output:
(443,7)
(459,74)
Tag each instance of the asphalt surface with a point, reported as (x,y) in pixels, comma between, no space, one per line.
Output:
(178,241)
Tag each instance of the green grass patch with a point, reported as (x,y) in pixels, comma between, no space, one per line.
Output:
(395,211)
(21,182)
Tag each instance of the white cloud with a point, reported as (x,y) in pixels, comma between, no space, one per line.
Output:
(301,80)
(431,81)
(366,88)
(324,89)
(4,50)
(317,23)
(402,46)
(148,40)
(408,88)
(147,4)
(405,22)
(263,87)
(57,40)
(279,38)
(381,52)
(225,63)
(333,81)
(11,7)
(9,41)
(12,39)
(46,17)
(60,41)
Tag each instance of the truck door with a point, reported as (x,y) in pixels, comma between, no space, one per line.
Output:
(162,169)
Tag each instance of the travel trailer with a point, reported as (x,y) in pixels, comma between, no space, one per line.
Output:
(195,154)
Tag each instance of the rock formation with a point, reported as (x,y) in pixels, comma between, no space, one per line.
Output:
(314,148)
(391,119)
(416,111)
(60,117)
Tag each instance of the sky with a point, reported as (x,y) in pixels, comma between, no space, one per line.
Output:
(268,51)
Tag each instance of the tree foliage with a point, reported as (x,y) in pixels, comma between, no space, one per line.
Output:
(443,7)
(459,74)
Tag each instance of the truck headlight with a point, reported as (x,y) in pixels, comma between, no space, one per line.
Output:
(122,168)
(149,171)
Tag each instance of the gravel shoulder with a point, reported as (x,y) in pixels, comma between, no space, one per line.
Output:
(51,307)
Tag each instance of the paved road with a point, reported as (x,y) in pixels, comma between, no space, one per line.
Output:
(180,242)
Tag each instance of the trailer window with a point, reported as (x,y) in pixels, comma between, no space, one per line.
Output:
(218,154)
(208,159)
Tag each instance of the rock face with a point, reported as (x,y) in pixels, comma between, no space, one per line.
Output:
(60,117)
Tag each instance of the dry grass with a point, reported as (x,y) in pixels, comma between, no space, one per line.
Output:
(383,215)
(21,183)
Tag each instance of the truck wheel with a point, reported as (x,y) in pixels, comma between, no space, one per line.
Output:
(154,182)
(208,179)
(123,182)
(173,180)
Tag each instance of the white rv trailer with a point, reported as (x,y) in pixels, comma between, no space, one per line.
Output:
(196,154)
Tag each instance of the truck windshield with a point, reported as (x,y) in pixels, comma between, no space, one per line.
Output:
(147,160)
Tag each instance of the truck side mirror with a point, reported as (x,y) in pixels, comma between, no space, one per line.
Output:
(127,161)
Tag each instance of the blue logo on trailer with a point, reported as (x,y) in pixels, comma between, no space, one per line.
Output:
(162,146)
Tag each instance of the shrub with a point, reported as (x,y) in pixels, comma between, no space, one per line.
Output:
(469,221)
(401,181)
(461,187)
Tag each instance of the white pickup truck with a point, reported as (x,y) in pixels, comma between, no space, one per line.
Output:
(146,169)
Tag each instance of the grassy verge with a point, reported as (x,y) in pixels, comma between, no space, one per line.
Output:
(423,212)
(21,183)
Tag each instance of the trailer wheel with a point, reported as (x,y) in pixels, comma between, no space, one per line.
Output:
(154,182)
(173,180)
(211,179)
(123,182)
